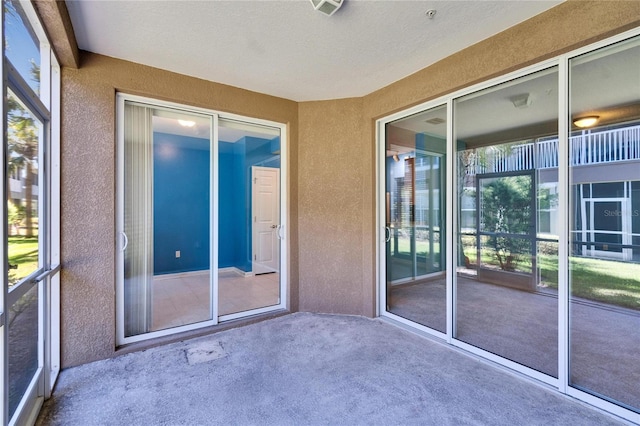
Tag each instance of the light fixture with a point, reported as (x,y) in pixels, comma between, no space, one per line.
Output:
(521,101)
(396,158)
(328,7)
(587,121)
(187,123)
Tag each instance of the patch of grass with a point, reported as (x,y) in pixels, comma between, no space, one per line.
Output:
(607,281)
(422,247)
(23,254)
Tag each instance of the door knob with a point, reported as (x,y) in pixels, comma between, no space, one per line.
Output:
(274,226)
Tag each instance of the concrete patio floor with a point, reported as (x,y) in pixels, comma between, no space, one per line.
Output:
(523,326)
(306,369)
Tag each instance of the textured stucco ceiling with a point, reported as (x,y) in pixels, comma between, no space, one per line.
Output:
(285,48)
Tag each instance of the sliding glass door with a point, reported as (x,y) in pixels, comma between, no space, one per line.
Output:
(506,286)
(250,223)
(166,200)
(199,219)
(415,164)
(539,172)
(604,257)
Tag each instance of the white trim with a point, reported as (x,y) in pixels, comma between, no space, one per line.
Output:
(451,224)
(562,225)
(252,312)
(214,285)
(173,276)
(166,332)
(380,230)
(239,272)
(119,219)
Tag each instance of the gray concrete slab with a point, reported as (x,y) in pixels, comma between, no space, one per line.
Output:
(306,369)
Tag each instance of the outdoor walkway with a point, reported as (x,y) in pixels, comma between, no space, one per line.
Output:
(306,369)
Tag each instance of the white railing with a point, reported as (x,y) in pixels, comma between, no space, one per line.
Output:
(586,148)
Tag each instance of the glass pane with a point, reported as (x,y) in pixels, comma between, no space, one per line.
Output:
(507,171)
(22,47)
(604,262)
(415,216)
(249,217)
(24,133)
(167,280)
(22,345)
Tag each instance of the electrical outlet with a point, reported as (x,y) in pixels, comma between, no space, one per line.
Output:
(177,254)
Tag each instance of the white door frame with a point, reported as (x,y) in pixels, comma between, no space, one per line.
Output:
(119,228)
(588,228)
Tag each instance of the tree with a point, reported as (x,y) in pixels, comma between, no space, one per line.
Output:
(506,210)
(23,152)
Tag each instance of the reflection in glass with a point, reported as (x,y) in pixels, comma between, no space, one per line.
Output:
(415,251)
(167,215)
(23,345)
(22,47)
(24,132)
(507,173)
(249,217)
(604,263)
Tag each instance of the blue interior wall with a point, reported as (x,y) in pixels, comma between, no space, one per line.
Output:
(181,201)
(180,204)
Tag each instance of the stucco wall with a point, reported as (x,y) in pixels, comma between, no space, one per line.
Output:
(331,209)
(332,167)
(88,184)
(337,147)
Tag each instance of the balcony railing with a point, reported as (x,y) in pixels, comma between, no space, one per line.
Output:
(587,148)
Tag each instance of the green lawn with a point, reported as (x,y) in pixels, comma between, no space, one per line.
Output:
(23,253)
(607,281)
(422,247)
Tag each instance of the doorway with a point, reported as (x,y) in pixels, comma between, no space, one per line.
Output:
(265,196)
(185,255)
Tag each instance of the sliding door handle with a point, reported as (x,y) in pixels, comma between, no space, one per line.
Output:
(125,241)
(279,234)
(387,234)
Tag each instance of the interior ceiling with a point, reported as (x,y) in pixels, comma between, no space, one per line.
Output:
(287,49)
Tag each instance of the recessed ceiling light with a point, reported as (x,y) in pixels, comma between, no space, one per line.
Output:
(187,123)
(588,121)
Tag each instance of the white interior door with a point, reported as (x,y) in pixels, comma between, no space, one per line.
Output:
(265,190)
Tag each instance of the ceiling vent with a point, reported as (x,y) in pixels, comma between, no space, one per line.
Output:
(328,7)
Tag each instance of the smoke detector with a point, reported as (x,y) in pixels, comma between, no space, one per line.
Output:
(328,7)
